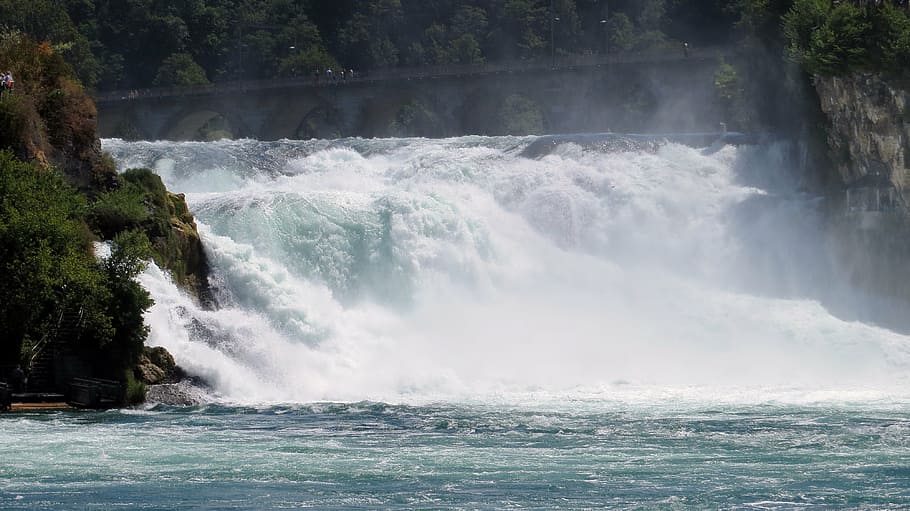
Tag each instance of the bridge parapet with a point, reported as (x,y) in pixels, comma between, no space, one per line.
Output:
(622,92)
(561,63)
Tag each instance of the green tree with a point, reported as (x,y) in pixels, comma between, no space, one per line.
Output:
(180,70)
(471,20)
(829,40)
(128,302)
(622,32)
(528,23)
(368,38)
(651,14)
(465,50)
(40,243)
(892,24)
(520,115)
(800,23)
(44,20)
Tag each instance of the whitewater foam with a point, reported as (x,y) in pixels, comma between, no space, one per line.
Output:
(414,270)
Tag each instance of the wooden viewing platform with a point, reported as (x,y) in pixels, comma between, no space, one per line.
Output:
(83,393)
(32,407)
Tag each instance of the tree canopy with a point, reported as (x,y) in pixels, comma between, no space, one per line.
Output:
(120,44)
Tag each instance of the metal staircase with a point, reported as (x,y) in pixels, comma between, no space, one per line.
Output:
(42,359)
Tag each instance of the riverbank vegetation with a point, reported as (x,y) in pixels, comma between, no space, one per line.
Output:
(66,311)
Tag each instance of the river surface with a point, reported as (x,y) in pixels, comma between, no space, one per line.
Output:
(452,324)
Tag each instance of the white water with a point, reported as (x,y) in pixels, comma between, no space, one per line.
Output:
(417,270)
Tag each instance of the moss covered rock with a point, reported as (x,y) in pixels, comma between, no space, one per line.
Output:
(157,366)
(142,202)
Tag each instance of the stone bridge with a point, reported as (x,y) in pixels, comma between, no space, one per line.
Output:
(660,91)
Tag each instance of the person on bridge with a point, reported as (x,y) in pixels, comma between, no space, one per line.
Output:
(329,77)
(17,379)
(316,77)
(686,50)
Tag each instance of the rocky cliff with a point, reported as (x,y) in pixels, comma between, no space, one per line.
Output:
(869,130)
(868,134)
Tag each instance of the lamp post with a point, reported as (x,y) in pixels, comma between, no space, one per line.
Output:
(552,38)
(553,20)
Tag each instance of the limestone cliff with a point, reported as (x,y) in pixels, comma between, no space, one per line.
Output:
(868,130)
(869,143)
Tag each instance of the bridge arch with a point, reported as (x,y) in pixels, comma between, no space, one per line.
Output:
(204,124)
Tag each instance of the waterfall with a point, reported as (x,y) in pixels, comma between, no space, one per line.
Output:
(414,270)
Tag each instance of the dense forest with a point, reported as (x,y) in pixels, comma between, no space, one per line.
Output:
(121,44)
(117,44)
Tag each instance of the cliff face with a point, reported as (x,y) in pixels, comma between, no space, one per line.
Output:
(868,136)
(868,132)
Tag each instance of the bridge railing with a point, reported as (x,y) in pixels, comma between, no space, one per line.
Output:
(561,62)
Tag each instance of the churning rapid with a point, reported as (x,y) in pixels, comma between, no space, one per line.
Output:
(412,270)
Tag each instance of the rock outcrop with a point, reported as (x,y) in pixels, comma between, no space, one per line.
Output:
(868,132)
(157,366)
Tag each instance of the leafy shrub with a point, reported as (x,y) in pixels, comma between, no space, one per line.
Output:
(135,390)
(118,210)
(838,38)
(180,70)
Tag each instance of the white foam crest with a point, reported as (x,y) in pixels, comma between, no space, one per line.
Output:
(447,269)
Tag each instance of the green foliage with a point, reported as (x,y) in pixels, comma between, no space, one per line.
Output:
(128,301)
(651,14)
(465,50)
(622,32)
(48,266)
(118,210)
(180,70)
(529,24)
(39,240)
(761,20)
(140,202)
(136,43)
(45,20)
(416,118)
(520,115)
(136,391)
(13,119)
(730,90)
(304,63)
(727,83)
(838,38)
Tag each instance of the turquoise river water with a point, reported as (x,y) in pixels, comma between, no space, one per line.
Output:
(450,324)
